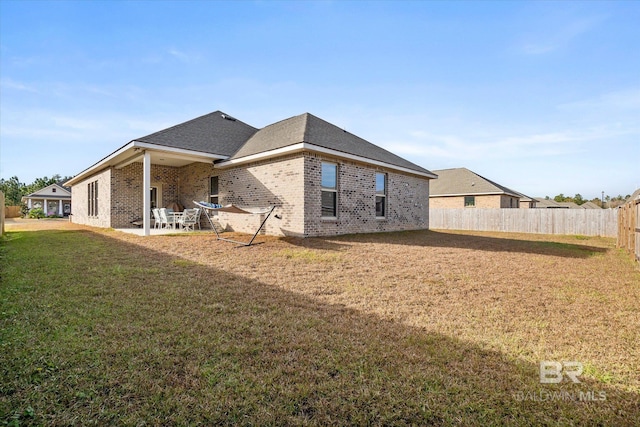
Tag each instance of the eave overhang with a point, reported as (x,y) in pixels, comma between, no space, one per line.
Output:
(305,146)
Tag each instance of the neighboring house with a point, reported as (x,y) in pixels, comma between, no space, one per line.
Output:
(53,200)
(589,205)
(552,204)
(549,204)
(322,179)
(569,205)
(527,202)
(462,188)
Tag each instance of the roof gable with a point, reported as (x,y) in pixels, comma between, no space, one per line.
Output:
(53,190)
(307,128)
(589,205)
(215,133)
(462,181)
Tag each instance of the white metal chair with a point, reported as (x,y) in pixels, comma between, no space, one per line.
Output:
(188,219)
(165,222)
(157,223)
(198,217)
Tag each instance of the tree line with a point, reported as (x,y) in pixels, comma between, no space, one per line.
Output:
(14,190)
(609,202)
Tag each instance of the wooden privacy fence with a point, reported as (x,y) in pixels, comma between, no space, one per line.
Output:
(12,212)
(586,222)
(629,227)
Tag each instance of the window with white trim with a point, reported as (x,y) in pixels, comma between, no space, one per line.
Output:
(329,198)
(469,201)
(381,195)
(92,199)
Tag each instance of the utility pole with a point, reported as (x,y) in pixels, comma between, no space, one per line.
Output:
(602,200)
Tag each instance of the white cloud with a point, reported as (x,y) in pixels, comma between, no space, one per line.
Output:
(8,83)
(549,39)
(499,145)
(186,57)
(628,99)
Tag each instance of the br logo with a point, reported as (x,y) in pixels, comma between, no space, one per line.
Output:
(552,372)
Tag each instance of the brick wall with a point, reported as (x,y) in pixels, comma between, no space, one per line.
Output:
(407,200)
(79,201)
(276,182)
(509,201)
(291,183)
(127,195)
(451,202)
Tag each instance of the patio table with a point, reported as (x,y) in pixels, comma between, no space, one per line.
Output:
(174,218)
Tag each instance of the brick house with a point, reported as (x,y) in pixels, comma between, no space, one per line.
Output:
(462,188)
(322,179)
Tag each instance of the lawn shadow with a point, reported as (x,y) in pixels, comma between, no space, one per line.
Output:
(441,239)
(178,342)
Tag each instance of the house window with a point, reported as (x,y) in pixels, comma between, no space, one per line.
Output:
(213,190)
(469,201)
(53,190)
(92,192)
(381,195)
(154,197)
(329,200)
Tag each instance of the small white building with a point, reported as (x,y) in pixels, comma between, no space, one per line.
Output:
(53,200)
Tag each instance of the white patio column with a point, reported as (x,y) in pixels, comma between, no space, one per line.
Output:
(45,207)
(146,193)
(29,203)
(60,207)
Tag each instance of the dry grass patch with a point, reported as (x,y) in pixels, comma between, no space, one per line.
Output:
(401,328)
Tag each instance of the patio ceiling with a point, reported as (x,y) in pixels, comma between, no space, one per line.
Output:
(134,151)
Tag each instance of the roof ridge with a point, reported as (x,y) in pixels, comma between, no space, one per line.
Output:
(183,124)
(500,187)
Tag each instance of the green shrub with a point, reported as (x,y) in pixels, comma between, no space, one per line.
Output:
(24,210)
(36,213)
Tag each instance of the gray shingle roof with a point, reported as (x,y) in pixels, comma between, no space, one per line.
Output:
(548,204)
(461,181)
(217,133)
(589,205)
(212,133)
(313,130)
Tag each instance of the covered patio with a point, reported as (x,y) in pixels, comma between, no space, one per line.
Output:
(125,164)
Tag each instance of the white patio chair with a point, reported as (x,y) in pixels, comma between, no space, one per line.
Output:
(165,221)
(198,217)
(156,218)
(188,219)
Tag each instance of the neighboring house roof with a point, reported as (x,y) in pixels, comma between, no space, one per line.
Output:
(53,191)
(589,205)
(463,182)
(569,205)
(307,128)
(219,138)
(216,133)
(526,199)
(549,204)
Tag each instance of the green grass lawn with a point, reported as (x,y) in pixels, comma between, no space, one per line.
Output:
(99,330)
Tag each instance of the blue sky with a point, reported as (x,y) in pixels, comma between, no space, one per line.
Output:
(542,97)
